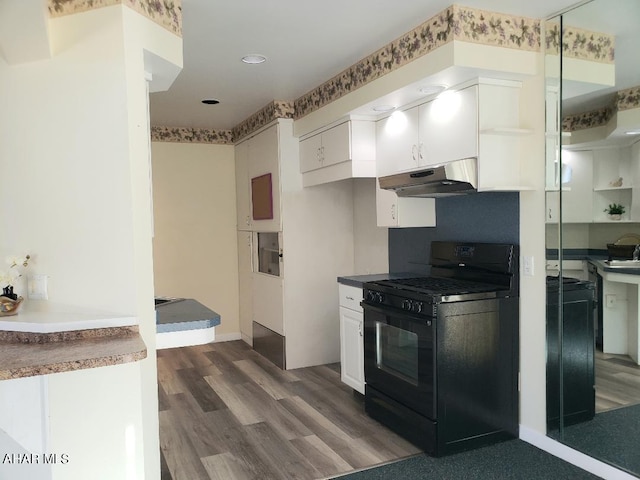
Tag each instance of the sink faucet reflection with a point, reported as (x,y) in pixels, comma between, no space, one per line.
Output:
(636,253)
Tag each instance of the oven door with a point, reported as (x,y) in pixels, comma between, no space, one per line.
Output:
(399,357)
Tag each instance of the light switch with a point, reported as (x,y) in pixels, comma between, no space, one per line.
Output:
(37,287)
(528,266)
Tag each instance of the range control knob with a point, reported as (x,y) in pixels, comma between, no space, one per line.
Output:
(379,297)
(407,305)
(371,296)
(416,307)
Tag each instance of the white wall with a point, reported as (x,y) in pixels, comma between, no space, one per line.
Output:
(371,243)
(195,242)
(76,196)
(532,243)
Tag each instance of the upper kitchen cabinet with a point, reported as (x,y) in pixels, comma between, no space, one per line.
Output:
(345,150)
(398,144)
(479,120)
(243,193)
(449,126)
(258,182)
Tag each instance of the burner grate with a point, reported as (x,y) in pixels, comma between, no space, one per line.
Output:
(441,285)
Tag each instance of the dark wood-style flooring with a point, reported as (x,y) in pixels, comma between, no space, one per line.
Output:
(617,382)
(228,413)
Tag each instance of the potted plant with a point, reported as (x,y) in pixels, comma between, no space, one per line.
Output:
(615,211)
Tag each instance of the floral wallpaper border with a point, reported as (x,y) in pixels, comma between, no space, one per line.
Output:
(454,23)
(191,135)
(624,100)
(271,111)
(580,44)
(628,99)
(166,13)
(591,119)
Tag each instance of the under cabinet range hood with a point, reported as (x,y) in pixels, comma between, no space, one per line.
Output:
(453,178)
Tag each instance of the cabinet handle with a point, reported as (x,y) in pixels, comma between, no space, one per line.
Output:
(414,151)
(248,220)
(393,211)
(420,151)
(549,213)
(360,328)
(350,298)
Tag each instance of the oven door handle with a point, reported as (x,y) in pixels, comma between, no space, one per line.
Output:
(396,311)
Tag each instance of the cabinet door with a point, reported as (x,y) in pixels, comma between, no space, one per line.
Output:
(351,349)
(397,146)
(267,306)
(336,144)
(394,211)
(552,214)
(243,194)
(264,157)
(245,285)
(311,153)
(449,127)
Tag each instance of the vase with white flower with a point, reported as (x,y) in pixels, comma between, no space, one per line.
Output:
(9,300)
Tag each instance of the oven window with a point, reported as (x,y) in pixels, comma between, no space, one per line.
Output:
(397,352)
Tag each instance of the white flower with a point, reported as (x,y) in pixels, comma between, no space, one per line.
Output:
(9,277)
(18,260)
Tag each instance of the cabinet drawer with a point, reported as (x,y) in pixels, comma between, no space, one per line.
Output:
(350,297)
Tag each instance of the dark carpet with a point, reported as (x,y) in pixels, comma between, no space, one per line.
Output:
(611,436)
(512,460)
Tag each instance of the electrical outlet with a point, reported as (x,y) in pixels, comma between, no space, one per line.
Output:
(37,287)
(610,300)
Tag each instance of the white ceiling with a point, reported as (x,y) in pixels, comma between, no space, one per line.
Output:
(305,44)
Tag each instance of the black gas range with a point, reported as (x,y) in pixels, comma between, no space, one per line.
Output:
(441,351)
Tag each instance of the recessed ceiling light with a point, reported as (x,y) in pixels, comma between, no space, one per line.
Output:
(383,108)
(254,58)
(210,101)
(432,89)
(632,132)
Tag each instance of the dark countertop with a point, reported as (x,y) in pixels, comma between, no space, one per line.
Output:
(360,280)
(183,311)
(594,256)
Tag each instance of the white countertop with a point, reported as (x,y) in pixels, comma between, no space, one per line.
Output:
(43,316)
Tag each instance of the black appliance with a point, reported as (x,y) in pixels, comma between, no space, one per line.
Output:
(596,279)
(578,361)
(441,351)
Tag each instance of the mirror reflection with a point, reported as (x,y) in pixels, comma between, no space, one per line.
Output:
(593,230)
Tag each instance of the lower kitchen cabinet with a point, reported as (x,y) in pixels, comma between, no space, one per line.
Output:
(351,337)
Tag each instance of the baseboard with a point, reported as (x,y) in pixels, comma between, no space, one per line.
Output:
(227,337)
(247,339)
(557,449)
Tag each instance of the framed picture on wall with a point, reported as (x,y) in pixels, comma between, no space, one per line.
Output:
(261,197)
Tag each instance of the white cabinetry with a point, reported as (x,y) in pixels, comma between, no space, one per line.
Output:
(346,150)
(577,191)
(245,272)
(398,144)
(256,157)
(449,127)
(480,120)
(611,165)
(351,337)
(243,192)
(395,212)
(292,310)
(589,188)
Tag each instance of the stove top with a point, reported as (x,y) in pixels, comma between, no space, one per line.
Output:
(439,286)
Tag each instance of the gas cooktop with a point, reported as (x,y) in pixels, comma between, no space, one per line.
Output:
(439,285)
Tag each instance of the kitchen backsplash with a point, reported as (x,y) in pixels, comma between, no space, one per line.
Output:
(481,217)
